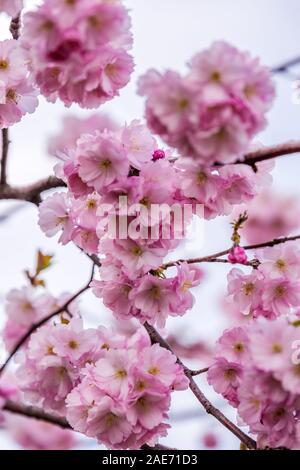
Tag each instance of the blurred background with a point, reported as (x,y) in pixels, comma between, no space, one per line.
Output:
(166,34)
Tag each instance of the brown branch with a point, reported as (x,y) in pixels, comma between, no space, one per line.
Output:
(199,371)
(14,27)
(33,412)
(267,153)
(156,447)
(35,326)
(214,257)
(286,65)
(4,156)
(32,192)
(208,406)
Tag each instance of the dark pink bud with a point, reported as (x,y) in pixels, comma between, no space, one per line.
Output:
(237,255)
(158,154)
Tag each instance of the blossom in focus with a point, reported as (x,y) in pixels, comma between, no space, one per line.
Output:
(109,387)
(17,94)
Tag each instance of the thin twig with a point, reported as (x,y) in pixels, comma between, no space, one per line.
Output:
(199,371)
(208,406)
(35,326)
(286,65)
(14,27)
(214,257)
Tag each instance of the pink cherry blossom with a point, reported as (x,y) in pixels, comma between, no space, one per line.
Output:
(152,296)
(269,344)
(55,215)
(213,112)
(281,294)
(17,95)
(138,143)
(101,161)
(187,277)
(78,53)
(12,62)
(233,345)
(245,290)
(225,377)
(266,393)
(283,260)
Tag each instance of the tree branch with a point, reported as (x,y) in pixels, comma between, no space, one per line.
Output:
(199,371)
(35,326)
(215,256)
(286,65)
(4,156)
(208,406)
(268,153)
(37,413)
(32,192)
(14,27)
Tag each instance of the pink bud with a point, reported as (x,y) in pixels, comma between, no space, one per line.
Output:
(158,154)
(237,254)
(210,440)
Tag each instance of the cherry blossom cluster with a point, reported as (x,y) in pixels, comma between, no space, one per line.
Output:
(17,94)
(27,306)
(256,368)
(271,290)
(114,388)
(213,112)
(78,50)
(105,167)
(11,7)
(219,189)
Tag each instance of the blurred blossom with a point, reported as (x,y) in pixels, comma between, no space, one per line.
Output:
(270,215)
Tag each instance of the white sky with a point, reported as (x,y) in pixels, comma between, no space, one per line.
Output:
(166,33)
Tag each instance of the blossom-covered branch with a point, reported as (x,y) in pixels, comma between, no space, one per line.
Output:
(208,406)
(215,256)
